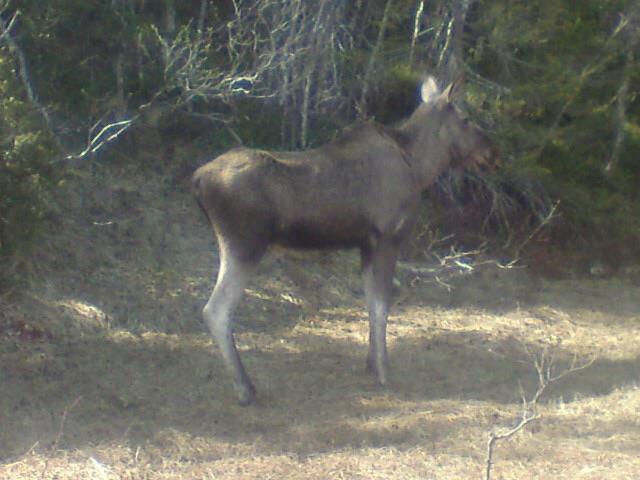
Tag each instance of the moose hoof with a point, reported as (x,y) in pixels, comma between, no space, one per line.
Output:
(380,375)
(246,395)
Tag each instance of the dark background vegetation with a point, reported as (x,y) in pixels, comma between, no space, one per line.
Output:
(90,85)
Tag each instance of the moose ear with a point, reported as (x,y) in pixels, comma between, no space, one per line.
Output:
(429,90)
(453,90)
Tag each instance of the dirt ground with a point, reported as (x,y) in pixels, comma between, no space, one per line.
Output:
(107,371)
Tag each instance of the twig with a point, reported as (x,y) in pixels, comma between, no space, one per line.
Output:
(535,231)
(6,28)
(447,286)
(485,82)
(527,417)
(63,420)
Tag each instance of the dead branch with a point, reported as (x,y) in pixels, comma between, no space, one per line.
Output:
(285,49)
(416,31)
(535,231)
(107,134)
(471,75)
(63,420)
(188,77)
(527,417)
(6,27)
(544,363)
(620,120)
(273,49)
(454,263)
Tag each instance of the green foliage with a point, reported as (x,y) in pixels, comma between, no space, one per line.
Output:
(562,65)
(26,175)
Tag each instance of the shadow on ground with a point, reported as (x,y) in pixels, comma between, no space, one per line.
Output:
(314,394)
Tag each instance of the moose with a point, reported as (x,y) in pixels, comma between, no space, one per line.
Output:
(361,190)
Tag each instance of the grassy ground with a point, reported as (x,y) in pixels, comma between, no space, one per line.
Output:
(107,371)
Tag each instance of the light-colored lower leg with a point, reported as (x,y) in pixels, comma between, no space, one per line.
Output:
(377,305)
(232,278)
(380,310)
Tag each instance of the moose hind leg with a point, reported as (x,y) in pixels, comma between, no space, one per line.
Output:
(232,278)
(378,270)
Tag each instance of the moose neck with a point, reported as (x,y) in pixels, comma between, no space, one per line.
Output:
(429,156)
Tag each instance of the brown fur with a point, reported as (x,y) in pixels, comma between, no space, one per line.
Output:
(361,190)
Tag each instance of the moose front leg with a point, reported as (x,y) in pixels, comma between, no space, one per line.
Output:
(232,278)
(378,267)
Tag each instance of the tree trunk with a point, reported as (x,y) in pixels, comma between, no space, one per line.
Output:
(202,17)
(416,31)
(169,17)
(451,57)
(121,101)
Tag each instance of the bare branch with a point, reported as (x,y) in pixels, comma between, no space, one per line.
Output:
(453,264)
(108,134)
(8,26)
(535,231)
(544,363)
(416,30)
(621,106)
(526,418)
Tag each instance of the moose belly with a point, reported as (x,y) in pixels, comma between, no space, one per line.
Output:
(337,233)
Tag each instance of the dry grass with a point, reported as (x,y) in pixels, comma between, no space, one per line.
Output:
(107,372)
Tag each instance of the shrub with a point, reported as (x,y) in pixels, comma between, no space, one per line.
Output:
(26,172)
